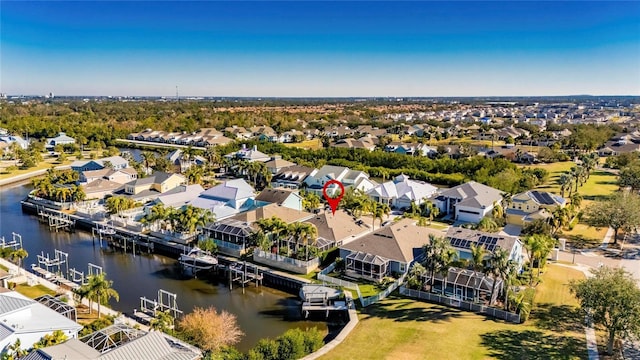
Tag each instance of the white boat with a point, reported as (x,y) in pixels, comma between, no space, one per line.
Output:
(198,259)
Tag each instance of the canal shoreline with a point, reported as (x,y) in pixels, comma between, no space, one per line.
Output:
(29,175)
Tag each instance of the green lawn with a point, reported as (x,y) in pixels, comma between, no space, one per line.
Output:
(595,235)
(33,291)
(600,183)
(399,328)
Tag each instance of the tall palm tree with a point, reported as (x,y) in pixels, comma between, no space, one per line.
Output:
(304,233)
(18,256)
(149,159)
(102,290)
(566,183)
(499,266)
(439,254)
(477,257)
(576,200)
(195,174)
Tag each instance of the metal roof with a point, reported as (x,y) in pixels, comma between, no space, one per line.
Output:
(9,304)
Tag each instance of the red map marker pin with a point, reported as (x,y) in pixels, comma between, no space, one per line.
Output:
(333,201)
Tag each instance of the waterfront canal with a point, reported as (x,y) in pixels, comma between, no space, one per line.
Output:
(261,312)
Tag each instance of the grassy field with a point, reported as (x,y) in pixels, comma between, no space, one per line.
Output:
(599,184)
(313,144)
(33,291)
(588,232)
(399,328)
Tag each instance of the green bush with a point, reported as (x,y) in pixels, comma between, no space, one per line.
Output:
(525,304)
(96,325)
(293,344)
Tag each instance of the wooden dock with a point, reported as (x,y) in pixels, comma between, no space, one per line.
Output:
(242,273)
(57,220)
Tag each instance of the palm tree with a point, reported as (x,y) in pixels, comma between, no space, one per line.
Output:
(416,275)
(149,159)
(259,238)
(63,193)
(78,193)
(576,200)
(566,183)
(487,224)
(195,174)
(498,211)
(538,247)
(477,257)
(304,233)
(438,256)
(85,292)
(559,219)
(499,266)
(163,321)
(102,290)
(310,201)
(18,255)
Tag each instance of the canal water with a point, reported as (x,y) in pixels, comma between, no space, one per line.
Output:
(261,312)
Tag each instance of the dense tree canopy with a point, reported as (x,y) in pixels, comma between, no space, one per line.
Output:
(612,298)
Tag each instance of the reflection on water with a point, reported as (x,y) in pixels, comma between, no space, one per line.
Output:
(261,312)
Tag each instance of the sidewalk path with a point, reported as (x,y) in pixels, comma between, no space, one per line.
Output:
(590,333)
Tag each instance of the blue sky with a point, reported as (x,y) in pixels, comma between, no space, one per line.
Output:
(306,48)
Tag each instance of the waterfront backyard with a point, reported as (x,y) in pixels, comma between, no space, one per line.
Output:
(401,328)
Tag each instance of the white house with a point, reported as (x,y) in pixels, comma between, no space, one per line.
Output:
(7,140)
(349,178)
(61,139)
(117,163)
(401,191)
(249,154)
(226,199)
(27,320)
(469,202)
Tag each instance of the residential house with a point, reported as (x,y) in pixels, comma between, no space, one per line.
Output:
(114,162)
(531,205)
(99,188)
(469,202)
(350,179)
(401,192)
(119,341)
(337,229)
(232,237)
(239,132)
(365,142)
(154,185)
(120,176)
(461,240)
(226,199)
(7,140)
(265,133)
(291,177)
(28,320)
(182,163)
(388,250)
(277,163)
(280,196)
(61,139)
(180,196)
(250,155)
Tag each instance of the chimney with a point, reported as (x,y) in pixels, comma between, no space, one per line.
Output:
(255,147)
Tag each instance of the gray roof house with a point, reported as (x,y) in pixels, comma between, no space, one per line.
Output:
(469,202)
(390,249)
(117,162)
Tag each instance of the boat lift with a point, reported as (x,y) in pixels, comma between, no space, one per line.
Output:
(15,243)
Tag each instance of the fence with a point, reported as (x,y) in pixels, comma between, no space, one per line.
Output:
(322,276)
(287,263)
(374,299)
(461,304)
